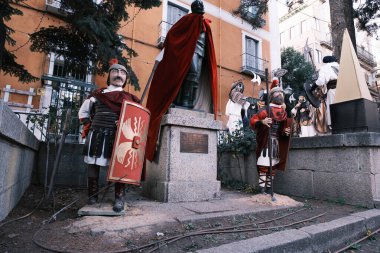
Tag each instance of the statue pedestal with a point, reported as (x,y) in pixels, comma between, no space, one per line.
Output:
(359,115)
(185,166)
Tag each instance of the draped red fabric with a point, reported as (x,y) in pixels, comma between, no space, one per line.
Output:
(179,47)
(114,99)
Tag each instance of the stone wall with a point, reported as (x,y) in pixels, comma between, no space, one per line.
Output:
(341,167)
(72,171)
(18,152)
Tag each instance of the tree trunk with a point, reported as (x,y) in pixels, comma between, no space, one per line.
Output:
(349,17)
(340,20)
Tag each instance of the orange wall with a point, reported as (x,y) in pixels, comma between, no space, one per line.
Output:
(142,34)
(33,62)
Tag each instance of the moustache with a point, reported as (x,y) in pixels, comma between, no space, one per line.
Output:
(117,78)
(278,100)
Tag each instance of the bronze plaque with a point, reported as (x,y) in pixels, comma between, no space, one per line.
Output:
(193,143)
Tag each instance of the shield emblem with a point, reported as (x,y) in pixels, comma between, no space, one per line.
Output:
(129,148)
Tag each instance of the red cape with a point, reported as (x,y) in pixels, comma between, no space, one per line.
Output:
(179,47)
(114,99)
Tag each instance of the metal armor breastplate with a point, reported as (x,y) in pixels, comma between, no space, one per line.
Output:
(104,117)
(200,47)
(275,128)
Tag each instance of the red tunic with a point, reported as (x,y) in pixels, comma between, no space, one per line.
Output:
(179,47)
(262,133)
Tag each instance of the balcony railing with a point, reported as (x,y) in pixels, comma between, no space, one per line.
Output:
(366,56)
(362,54)
(164,27)
(252,63)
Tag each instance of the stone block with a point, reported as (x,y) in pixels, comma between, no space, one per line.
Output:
(348,188)
(314,142)
(334,234)
(190,118)
(196,166)
(362,139)
(177,175)
(375,160)
(6,127)
(183,191)
(294,182)
(71,171)
(372,218)
(369,139)
(328,160)
(12,128)
(377,186)
(285,241)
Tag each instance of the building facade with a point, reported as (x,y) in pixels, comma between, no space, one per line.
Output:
(240,50)
(305,25)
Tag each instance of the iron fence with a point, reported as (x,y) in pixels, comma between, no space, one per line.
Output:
(63,94)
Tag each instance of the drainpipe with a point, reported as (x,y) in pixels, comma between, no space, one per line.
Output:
(133,40)
(220,58)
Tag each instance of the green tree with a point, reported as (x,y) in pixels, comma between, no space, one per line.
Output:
(90,34)
(253,12)
(299,70)
(8,63)
(366,14)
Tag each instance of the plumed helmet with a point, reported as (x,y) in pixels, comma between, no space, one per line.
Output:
(116,66)
(274,87)
(197,7)
(328,59)
(275,82)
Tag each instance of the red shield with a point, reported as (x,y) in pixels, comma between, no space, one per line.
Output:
(129,149)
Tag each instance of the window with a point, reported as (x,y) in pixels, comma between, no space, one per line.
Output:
(59,70)
(305,26)
(173,11)
(251,55)
(318,56)
(251,52)
(294,32)
(282,38)
(317,24)
(174,14)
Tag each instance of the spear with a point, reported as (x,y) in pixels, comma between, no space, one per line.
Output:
(269,135)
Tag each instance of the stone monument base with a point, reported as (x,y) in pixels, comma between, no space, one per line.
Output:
(185,166)
(359,115)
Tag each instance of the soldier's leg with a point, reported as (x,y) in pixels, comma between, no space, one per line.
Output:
(262,171)
(119,197)
(270,178)
(92,183)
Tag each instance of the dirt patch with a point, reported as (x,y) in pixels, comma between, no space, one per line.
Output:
(18,236)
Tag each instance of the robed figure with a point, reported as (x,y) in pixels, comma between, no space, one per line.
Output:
(187,46)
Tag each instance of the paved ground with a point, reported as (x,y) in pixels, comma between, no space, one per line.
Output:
(236,217)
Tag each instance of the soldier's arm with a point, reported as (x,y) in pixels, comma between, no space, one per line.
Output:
(259,119)
(84,113)
(323,78)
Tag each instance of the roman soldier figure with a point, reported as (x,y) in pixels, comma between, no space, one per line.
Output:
(186,74)
(100,114)
(272,128)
